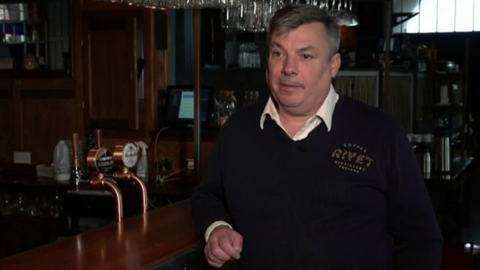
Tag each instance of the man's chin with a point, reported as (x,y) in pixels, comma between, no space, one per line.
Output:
(288,104)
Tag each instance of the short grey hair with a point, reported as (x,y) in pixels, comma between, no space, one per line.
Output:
(291,17)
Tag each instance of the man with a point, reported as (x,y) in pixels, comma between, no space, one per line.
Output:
(311,179)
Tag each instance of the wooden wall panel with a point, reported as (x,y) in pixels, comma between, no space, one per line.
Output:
(57,94)
(179,151)
(6,88)
(47,84)
(7,121)
(110,143)
(108,93)
(157,63)
(45,121)
(77,59)
(7,130)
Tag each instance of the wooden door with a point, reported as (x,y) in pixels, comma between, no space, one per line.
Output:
(110,71)
(7,121)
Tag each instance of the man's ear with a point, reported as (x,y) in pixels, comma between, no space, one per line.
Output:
(335,64)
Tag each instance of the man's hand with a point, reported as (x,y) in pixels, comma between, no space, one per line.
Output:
(223,245)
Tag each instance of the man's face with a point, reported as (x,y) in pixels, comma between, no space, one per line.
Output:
(300,69)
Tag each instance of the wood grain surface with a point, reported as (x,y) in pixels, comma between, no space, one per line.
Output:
(134,243)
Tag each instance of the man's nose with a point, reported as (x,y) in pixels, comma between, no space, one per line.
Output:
(290,66)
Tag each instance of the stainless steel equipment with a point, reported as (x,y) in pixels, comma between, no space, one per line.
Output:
(442,149)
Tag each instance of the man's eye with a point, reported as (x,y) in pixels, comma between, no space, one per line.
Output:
(306,56)
(276,54)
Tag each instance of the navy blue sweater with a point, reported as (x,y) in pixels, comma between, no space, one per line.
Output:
(333,203)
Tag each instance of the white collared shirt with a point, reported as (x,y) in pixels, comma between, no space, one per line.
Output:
(323,114)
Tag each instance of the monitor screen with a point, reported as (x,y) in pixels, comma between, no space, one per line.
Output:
(180,104)
(395,44)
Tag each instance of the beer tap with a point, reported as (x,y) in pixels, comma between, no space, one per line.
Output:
(100,180)
(126,157)
(76,171)
(100,162)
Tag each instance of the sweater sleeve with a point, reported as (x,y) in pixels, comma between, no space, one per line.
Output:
(411,219)
(207,202)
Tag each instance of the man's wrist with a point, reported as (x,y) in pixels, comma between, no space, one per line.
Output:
(213,226)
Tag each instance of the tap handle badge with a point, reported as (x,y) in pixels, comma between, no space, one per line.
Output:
(126,155)
(100,159)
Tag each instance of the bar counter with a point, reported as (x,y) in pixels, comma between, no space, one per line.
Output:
(183,187)
(141,242)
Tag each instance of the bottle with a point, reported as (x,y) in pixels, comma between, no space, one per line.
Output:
(226,105)
(142,167)
(61,162)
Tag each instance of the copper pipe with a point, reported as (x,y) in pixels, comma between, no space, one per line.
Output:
(92,159)
(98,133)
(100,179)
(76,161)
(143,188)
(124,174)
(118,153)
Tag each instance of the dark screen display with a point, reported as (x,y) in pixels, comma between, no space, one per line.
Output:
(180,105)
(395,45)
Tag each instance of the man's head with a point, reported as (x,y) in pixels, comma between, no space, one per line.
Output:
(291,17)
(303,58)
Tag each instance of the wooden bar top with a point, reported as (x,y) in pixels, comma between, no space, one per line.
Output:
(136,243)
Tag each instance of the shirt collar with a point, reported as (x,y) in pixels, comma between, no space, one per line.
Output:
(325,112)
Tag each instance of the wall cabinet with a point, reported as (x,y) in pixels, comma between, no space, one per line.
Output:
(110,71)
(123,68)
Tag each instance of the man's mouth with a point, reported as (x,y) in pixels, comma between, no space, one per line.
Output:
(286,86)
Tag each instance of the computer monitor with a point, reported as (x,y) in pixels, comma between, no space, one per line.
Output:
(179,105)
(395,44)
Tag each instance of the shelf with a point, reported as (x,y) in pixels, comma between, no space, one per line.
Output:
(27,42)
(448,76)
(447,107)
(128,134)
(208,135)
(34,74)
(21,21)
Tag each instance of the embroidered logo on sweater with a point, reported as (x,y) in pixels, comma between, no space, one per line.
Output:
(352,157)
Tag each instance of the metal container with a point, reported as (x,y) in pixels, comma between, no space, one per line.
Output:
(442,149)
(425,158)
